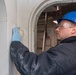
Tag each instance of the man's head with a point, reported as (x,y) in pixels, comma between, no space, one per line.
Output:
(66,26)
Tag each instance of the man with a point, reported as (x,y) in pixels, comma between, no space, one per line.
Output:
(59,60)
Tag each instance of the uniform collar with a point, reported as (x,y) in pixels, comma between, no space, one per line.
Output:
(70,39)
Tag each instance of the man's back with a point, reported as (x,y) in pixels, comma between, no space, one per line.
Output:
(60,60)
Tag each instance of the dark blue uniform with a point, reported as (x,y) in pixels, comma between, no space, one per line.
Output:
(59,60)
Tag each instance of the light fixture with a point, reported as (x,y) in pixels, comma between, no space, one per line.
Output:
(57,7)
(55,21)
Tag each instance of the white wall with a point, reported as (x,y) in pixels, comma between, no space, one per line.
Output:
(11,8)
(25,9)
(3,40)
(7,22)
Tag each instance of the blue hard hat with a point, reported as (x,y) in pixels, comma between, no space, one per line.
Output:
(70,16)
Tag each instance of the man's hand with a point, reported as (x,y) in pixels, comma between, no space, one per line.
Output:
(16,34)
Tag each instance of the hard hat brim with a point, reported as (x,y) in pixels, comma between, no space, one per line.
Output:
(59,20)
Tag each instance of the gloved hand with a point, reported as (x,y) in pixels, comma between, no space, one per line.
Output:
(16,34)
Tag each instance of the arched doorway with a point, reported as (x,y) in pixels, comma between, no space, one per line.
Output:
(34,19)
(46,36)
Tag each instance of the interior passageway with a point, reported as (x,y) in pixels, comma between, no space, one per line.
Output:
(46,37)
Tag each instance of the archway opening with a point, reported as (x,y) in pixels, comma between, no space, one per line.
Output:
(46,37)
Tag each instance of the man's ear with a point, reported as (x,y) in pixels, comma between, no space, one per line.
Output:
(74,30)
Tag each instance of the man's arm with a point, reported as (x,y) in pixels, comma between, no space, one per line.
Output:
(31,64)
(28,63)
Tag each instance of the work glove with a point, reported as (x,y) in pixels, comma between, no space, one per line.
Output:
(16,34)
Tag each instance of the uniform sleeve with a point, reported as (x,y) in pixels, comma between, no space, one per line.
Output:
(28,63)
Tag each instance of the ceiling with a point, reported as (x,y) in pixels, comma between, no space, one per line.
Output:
(63,8)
